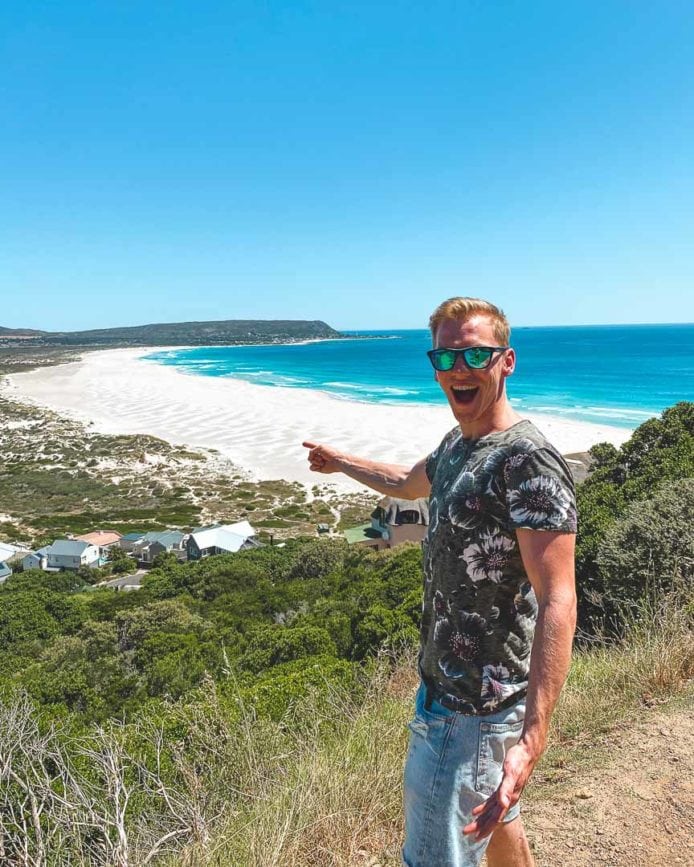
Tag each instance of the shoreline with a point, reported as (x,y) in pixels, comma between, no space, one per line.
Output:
(259,428)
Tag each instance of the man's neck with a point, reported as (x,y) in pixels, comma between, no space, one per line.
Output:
(501,419)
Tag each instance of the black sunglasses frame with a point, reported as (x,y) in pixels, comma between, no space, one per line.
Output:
(461,353)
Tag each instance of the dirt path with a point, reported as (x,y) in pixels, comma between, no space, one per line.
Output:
(635,810)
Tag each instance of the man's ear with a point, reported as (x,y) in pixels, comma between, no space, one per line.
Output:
(509,362)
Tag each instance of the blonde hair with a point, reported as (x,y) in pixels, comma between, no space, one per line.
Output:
(465,308)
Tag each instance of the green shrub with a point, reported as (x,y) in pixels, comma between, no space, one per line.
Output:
(318,557)
(661,450)
(382,628)
(285,687)
(650,550)
(272,645)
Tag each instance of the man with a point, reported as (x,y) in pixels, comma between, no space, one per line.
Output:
(499,581)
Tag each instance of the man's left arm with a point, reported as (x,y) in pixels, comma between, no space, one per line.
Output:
(548,558)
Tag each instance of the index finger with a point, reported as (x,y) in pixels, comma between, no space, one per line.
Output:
(487,817)
(309,445)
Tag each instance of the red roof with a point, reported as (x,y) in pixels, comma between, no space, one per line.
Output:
(100,537)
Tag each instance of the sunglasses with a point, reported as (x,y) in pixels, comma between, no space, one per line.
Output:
(474,357)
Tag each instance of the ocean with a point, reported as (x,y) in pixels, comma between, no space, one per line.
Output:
(609,374)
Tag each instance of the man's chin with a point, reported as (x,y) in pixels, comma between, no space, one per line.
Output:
(463,410)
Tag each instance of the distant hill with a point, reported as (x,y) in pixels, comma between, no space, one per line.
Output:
(20,333)
(221,333)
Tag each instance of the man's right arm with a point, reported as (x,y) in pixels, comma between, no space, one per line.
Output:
(393,480)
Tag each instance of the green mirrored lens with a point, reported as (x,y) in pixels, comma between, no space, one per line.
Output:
(445,359)
(478,356)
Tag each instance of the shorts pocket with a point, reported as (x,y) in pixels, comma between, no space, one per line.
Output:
(435,714)
(424,721)
(495,740)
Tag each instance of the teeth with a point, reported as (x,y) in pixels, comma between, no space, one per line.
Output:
(464,388)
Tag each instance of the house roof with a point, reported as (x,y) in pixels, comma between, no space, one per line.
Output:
(7,550)
(167,538)
(100,537)
(132,537)
(42,552)
(363,533)
(68,548)
(228,537)
(393,509)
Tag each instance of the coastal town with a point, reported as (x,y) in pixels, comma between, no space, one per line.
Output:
(392,522)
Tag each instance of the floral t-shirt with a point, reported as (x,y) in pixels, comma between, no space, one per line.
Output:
(479,609)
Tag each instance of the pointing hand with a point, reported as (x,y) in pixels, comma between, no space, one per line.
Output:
(322,459)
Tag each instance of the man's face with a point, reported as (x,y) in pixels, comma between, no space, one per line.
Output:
(473,395)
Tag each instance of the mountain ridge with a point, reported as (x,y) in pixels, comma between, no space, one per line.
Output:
(195,333)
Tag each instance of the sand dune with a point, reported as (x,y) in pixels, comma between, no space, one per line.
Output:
(259,428)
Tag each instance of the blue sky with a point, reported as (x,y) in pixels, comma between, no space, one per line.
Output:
(346,161)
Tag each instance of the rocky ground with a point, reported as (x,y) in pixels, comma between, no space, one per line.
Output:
(635,809)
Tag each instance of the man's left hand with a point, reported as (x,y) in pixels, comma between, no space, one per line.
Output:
(518,765)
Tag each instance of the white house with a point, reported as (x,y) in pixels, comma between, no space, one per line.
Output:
(225,539)
(12,553)
(71,554)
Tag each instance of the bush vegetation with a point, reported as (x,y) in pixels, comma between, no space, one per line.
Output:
(626,488)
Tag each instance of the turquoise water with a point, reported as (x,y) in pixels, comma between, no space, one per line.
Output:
(619,375)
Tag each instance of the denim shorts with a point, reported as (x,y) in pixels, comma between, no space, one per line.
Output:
(453,764)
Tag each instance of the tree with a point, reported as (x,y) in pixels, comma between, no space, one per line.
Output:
(119,561)
(382,627)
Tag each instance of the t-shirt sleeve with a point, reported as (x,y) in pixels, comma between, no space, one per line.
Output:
(540,492)
(431,462)
(432,459)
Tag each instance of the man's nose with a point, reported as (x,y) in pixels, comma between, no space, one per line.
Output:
(460,364)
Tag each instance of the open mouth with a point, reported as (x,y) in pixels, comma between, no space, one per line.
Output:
(463,394)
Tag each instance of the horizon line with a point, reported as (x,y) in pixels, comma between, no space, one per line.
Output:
(553,325)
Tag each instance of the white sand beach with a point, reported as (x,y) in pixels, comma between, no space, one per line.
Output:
(259,428)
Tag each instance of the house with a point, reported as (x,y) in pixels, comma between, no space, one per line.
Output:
(104,540)
(224,539)
(155,543)
(71,554)
(101,538)
(36,559)
(12,553)
(393,522)
(127,543)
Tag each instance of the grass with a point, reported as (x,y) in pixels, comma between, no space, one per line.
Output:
(334,798)
(325,785)
(610,681)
